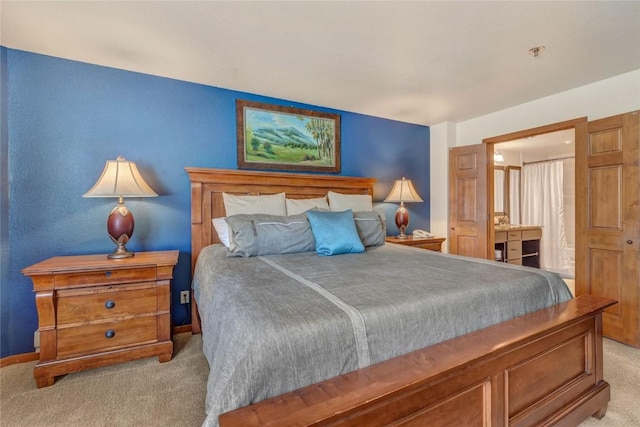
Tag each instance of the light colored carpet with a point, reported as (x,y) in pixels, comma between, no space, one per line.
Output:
(622,372)
(138,393)
(148,393)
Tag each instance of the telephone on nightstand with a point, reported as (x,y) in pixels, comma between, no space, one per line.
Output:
(421,234)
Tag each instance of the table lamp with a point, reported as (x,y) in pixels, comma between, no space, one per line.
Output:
(402,192)
(120,178)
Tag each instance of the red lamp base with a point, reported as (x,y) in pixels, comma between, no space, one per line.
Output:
(402,221)
(120,228)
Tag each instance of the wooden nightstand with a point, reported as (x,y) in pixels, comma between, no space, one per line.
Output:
(434,244)
(94,311)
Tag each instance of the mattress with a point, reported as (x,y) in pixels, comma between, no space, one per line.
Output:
(275,323)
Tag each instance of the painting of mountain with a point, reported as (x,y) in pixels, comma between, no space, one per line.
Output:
(276,137)
(282,136)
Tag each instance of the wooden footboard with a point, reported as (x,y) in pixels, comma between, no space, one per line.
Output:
(544,368)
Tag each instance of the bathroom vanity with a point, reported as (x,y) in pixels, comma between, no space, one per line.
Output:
(518,244)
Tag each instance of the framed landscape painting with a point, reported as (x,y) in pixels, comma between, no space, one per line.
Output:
(286,138)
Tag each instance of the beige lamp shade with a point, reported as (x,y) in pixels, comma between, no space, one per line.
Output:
(120,178)
(402,192)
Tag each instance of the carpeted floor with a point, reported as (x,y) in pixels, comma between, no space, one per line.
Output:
(147,393)
(141,393)
(622,372)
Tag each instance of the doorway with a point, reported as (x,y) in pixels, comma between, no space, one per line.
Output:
(607,211)
(539,190)
(554,139)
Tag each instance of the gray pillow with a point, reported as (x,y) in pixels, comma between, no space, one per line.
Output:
(262,234)
(371,226)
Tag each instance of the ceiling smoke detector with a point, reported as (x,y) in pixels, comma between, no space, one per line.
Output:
(536,51)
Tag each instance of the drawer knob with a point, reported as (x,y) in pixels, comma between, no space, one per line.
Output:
(109,304)
(107,273)
(629,242)
(110,333)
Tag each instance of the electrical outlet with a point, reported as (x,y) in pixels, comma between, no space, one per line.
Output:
(184,297)
(36,341)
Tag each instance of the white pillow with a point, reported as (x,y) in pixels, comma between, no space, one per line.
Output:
(298,206)
(222,228)
(272,204)
(356,202)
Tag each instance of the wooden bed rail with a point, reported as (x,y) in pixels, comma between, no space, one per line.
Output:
(544,368)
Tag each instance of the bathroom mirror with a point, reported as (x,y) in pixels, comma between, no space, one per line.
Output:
(500,191)
(506,192)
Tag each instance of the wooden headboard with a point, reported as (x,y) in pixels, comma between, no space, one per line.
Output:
(207,186)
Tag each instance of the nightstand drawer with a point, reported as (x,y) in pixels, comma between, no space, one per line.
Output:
(101,304)
(436,246)
(432,244)
(108,335)
(105,277)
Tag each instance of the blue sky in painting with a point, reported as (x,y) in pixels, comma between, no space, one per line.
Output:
(267,119)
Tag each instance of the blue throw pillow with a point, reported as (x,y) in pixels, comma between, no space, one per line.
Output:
(335,232)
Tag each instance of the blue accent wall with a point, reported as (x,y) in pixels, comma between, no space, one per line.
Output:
(61,120)
(4,208)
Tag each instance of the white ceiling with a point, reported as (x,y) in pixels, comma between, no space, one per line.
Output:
(539,147)
(420,62)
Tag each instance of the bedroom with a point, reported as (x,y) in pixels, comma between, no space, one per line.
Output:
(86,114)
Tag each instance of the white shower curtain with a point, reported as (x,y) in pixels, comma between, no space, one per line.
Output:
(542,204)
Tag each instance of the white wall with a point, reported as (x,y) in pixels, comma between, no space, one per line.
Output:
(442,136)
(605,98)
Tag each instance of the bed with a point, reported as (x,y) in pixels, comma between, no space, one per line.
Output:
(524,363)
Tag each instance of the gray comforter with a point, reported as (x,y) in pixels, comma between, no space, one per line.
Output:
(275,323)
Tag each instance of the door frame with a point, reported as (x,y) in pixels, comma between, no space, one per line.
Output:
(578,125)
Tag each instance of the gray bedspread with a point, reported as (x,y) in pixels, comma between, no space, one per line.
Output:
(275,323)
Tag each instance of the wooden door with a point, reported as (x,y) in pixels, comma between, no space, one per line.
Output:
(608,220)
(468,213)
